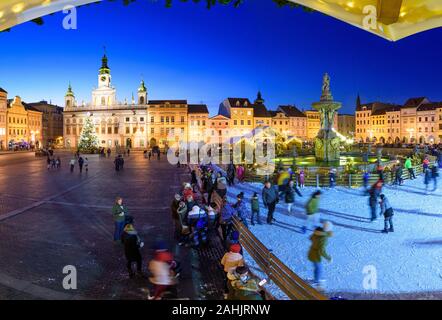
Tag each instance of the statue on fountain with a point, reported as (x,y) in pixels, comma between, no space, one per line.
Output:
(327,142)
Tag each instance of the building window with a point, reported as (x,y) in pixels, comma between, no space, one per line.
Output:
(115,130)
(68,130)
(172,119)
(109,130)
(142,119)
(235,122)
(162,119)
(152,119)
(127,119)
(182,118)
(152,130)
(249,122)
(127,130)
(134,129)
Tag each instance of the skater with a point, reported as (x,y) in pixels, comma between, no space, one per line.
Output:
(427,178)
(128,152)
(132,244)
(48,162)
(332,177)
(119,213)
(80,164)
(387,211)
(301,178)
(409,168)
(270,198)
(108,152)
(374,193)
(255,209)
(398,175)
(290,192)
(241,209)
(86,164)
(175,217)
(150,154)
(365,179)
(230,261)
(434,175)
(58,163)
(313,216)
(282,180)
(193,179)
(72,164)
(318,251)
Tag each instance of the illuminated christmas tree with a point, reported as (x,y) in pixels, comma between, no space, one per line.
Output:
(88,142)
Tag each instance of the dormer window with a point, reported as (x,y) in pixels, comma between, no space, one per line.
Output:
(245,104)
(237,103)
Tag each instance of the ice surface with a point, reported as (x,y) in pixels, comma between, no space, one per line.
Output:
(408,262)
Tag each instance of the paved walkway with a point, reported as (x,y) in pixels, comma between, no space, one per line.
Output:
(50,219)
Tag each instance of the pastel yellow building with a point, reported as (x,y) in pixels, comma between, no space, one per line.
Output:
(24,125)
(3,123)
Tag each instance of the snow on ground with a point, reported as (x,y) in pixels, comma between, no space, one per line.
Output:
(408,262)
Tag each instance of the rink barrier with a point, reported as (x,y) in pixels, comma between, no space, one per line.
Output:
(277,272)
(347,180)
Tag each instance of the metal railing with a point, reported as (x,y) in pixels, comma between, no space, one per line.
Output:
(288,281)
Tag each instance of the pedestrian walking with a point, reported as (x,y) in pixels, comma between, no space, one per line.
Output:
(119,212)
(290,193)
(255,209)
(270,198)
(161,267)
(86,164)
(230,261)
(72,164)
(132,244)
(313,218)
(387,211)
(80,164)
(226,219)
(318,252)
(231,174)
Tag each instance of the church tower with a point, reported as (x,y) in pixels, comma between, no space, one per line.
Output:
(105,94)
(142,94)
(259,99)
(69,98)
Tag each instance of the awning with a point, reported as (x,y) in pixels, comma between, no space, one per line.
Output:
(390,19)
(13,12)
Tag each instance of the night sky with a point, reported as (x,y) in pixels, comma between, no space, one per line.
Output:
(189,52)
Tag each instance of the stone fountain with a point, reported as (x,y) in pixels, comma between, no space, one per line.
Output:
(327,141)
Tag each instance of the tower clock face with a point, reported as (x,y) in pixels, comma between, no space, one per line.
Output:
(103,78)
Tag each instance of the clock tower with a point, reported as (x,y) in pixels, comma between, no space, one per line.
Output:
(105,94)
(104,77)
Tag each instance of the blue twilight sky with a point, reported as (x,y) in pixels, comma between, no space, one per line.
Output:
(189,52)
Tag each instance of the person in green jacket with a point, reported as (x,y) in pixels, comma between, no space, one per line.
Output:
(119,213)
(409,167)
(313,216)
(318,250)
(255,209)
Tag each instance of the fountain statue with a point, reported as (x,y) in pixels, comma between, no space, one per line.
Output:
(327,142)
